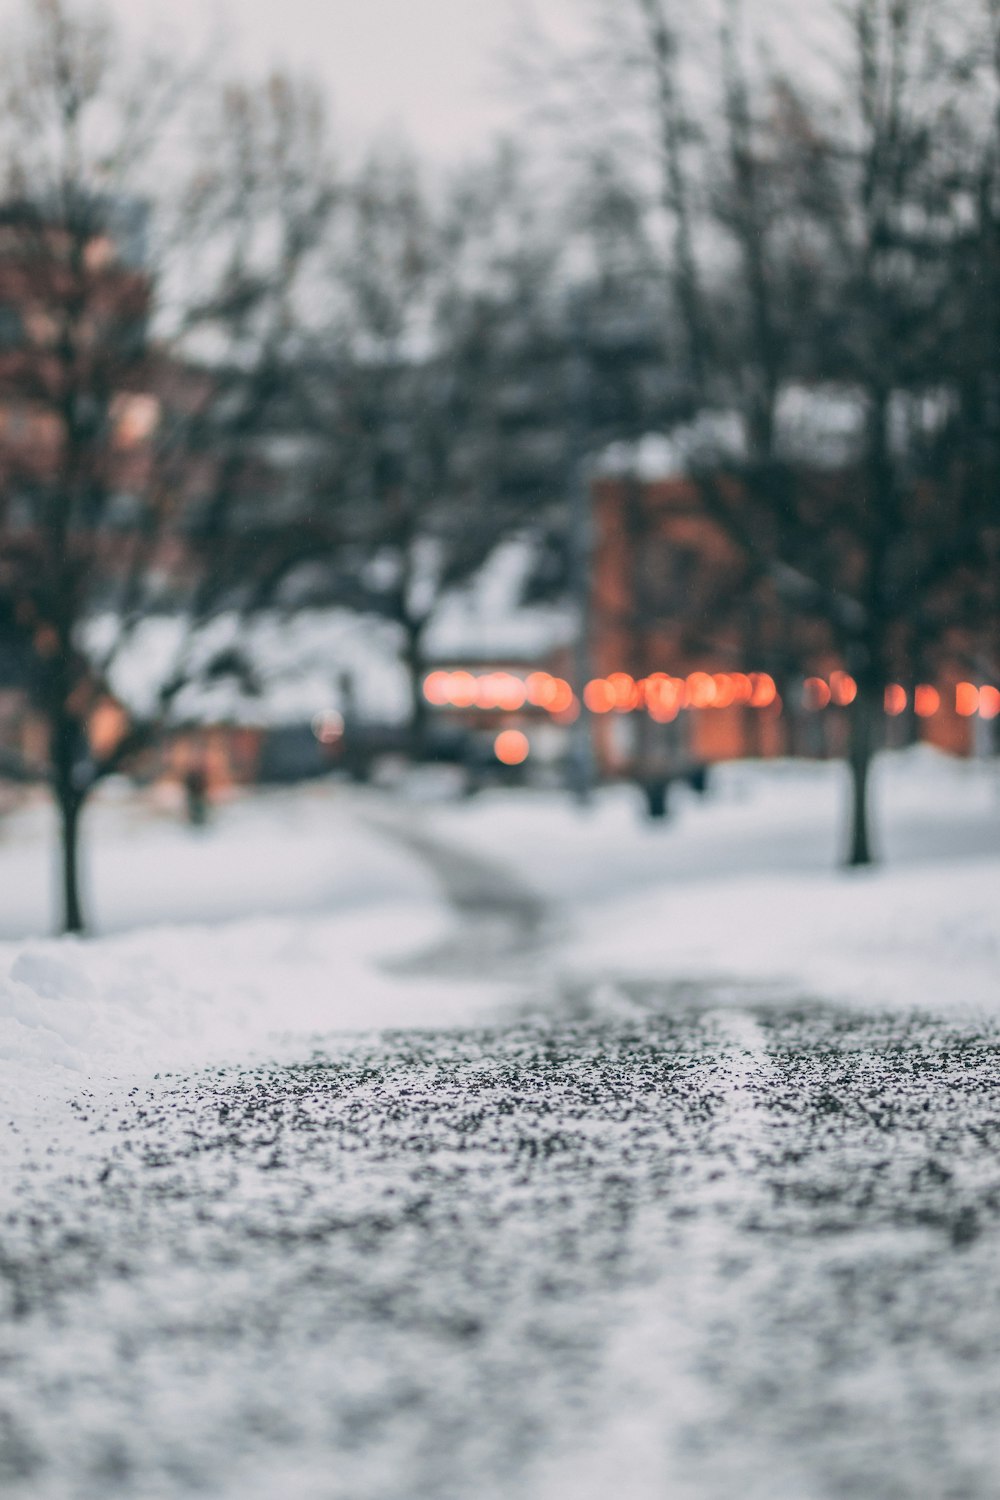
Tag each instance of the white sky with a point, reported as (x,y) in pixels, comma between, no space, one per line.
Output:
(427,67)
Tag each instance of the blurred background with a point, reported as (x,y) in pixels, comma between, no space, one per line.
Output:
(570,395)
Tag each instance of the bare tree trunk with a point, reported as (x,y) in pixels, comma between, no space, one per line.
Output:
(648,766)
(67,749)
(70,806)
(674,129)
(751,227)
(862,723)
(413,655)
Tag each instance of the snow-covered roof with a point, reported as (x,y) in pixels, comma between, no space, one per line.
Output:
(822,425)
(315,659)
(712,435)
(304,663)
(485,619)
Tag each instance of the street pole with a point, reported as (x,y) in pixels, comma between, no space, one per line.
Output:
(581,768)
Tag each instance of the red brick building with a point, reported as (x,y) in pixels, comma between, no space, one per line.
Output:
(666,602)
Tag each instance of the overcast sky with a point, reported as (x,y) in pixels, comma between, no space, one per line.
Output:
(428,67)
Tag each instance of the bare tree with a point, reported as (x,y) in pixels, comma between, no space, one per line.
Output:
(885,554)
(438,446)
(144,367)
(831,262)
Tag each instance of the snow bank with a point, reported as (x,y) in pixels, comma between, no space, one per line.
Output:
(746,886)
(293,915)
(771,817)
(912,938)
(333,907)
(183,996)
(277,853)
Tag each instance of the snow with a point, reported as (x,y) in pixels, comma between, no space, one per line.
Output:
(324,658)
(300,664)
(821,425)
(746,887)
(298,913)
(232,943)
(486,618)
(208,1315)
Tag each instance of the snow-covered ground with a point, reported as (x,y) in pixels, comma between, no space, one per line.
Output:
(293,912)
(747,885)
(608,1209)
(275,923)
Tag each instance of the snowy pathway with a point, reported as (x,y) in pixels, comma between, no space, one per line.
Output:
(572,1190)
(751,1252)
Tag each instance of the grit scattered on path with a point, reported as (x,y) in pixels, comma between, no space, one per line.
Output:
(664,1242)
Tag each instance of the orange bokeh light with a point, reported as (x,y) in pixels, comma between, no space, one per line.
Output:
(725,692)
(538,689)
(764,690)
(561,697)
(626,691)
(437,688)
(486,691)
(106,726)
(500,690)
(926,700)
(462,689)
(599,696)
(989,702)
(966,699)
(895,699)
(511,747)
(664,696)
(542,690)
(511,692)
(843,688)
(816,693)
(742,687)
(701,690)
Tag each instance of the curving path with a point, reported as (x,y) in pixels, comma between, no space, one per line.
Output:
(636,1240)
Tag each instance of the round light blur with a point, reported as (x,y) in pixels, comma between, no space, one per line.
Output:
(626,692)
(816,693)
(328,726)
(462,689)
(664,696)
(561,698)
(437,688)
(843,688)
(926,701)
(539,688)
(701,690)
(599,696)
(511,747)
(725,692)
(510,691)
(966,699)
(764,692)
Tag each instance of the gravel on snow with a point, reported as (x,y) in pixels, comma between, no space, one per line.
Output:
(665,1241)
